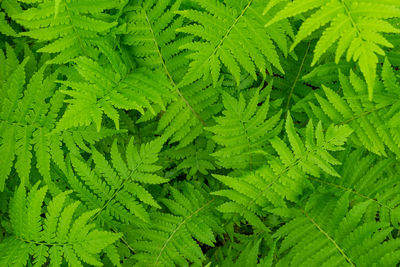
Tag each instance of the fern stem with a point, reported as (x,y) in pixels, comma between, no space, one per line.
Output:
(74,29)
(366,113)
(228,32)
(350,190)
(329,238)
(230,29)
(351,18)
(42,243)
(297,76)
(123,240)
(115,193)
(112,197)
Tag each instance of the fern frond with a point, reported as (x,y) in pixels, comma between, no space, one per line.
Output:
(375,123)
(184,120)
(356,26)
(103,90)
(229,34)
(67,28)
(27,115)
(285,177)
(152,37)
(368,177)
(116,187)
(243,131)
(172,239)
(246,250)
(11,8)
(60,237)
(329,232)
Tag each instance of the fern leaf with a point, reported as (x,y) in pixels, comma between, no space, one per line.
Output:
(101,91)
(152,36)
(5,28)
(28,118)
(230,40)
(357,26)
(117,188)
(366,118)
(184,120)
(69,27)
(195,159)
(61,236)
(367,177)
(242,131)
(286,174)
(170,240)
(310,240)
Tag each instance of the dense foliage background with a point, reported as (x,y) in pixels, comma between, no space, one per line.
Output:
(199,132)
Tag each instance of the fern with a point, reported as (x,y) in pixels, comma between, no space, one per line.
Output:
(152,37)
(67,28)
(171,239)
(195,159)
(184,121)
(372,179)
(243,131)
(285,177)
(60,237)
(244,250)
(115,187)
(366,118)
(4,27)
(228,35)
(28,118)
(199,133)
(103,91)
(357,26)
(335,236)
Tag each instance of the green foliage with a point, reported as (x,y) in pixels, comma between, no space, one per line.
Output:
(285,175)
(229,34)
(60,237)
(336,235)
(211,133)
(375,123)
(356,26)
(67,28)
(243,131)
(114,187)
(108,88)
(171,238)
